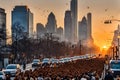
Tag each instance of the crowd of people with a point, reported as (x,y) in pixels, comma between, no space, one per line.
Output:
(90,69)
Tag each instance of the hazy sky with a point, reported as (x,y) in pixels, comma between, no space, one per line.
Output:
(100,9)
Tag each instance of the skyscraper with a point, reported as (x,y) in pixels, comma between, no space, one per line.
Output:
(68,26)
(115,37)
(51,25)
(116,40)
(2,27)
(22,22)
(89,22)
(82,29)
(2,37)
(60,32)
(40,30)
(74,11)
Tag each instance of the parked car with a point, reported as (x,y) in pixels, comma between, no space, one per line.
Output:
(53,61)
(12,69)
(35,62)
(2,75)
(61,60)
(45,61)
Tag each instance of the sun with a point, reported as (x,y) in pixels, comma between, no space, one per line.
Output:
(104,47)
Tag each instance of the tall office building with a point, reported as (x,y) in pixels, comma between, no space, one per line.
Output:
(51,25)
(68,26)
(60,32)
(2,27)
(115,37)
(89,22)
(116,41)
(82,30)
(41,30)
(22,22)
(3,38)
(74,11)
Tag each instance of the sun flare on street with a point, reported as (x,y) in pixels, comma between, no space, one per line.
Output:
(105,47)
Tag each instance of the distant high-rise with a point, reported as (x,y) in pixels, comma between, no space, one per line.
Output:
(115,37)
(74,11)
(89,22)
(22,22)
(68,26)
(60,32)
(82,29)
(116,40)
(51,25)
(2,27)
(40,30)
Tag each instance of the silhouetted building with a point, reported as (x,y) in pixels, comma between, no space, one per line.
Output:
(2,27)
(115,37)
(51,25)
(89,26)
(40,30)
(68,26)
(89,22)
(116,41)
(82,30)
(3,51)
(60,32)
(74,11)
(22,22)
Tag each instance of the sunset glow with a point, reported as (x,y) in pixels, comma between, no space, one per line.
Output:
(104,47)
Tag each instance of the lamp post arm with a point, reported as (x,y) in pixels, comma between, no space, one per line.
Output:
(115,20)
(110,21)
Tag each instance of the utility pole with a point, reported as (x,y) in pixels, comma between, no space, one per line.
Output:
(116,56)
(80,47)
(113,53)
(118,40)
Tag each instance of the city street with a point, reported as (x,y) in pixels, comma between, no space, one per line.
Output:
(60,39)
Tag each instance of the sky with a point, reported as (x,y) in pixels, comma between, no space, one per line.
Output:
(101,10)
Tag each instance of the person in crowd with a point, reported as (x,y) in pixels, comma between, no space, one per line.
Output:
(8,77)
(83,77)
(28,77)
(40,77)
(109,76)
(24,65)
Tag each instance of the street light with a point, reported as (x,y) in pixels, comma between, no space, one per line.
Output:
(109,22)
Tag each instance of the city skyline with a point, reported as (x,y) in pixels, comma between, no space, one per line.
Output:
(98,27)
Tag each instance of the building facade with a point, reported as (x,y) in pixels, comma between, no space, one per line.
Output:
(2,27)
(60,32)
(74,11)
(116,36)
(82,30)
(41,30)
(3,39)
(89,22)
(22,22)
(51,25)
(68,26)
